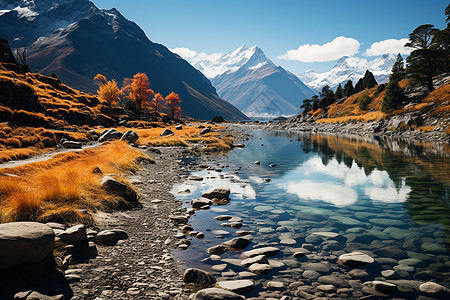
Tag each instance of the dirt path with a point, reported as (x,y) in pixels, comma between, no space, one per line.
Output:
(141,266)
(44,157)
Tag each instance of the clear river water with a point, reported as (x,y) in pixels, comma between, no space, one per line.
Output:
(327,196)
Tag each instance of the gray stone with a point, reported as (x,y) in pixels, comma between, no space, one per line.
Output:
(198,277)
(435,290)
(238,243)
(200,202)
(237,286)
(261,259)
(219,193)
(167,132)
(118,188)
(205,130)
(72,144)
(275,285)
(336,281)
(74,234)
(311,274)
(54,225)
(219,268)
(327,288)
(216,294)
(384,287)
(218,249)
(130,136)
(179,219)
(267,251)
(318,267)
(110,134)
(260,269)
(24,242)
(355,259)
(33,295)
(111,236)
(358,274)
(389,274)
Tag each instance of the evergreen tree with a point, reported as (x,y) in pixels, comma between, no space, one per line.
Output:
(447,13)
(339,92)
(392,98)
(315,102)
(306,106)
(327,97)
(348,89)
(369,80)
(398,69)
(359,86)
(425,62)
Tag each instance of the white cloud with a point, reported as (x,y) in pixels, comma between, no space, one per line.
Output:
(340,46)
(388,46)
(184,52)
(331,193)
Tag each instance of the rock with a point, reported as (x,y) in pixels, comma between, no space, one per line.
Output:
(239,243)
(130,136)
(434,290)
(318,267)
(219,268)
(179,219)
(336,281)
(327,288)
(239,146)
(237,286)
(198,277)
(216,193)
(267,251)
(92,250)
(272,165)
(257,162)
(275,285)
(111,236)
(200,202)
(54,225)
(167,132)
(384,287)
(299,254)
(110,134)
(33,295)
(216,294)
(217,250)
(355,259)
(358,274)
(24,242)
(72,144)
(261,259)
(118,188)
(388,274)
(179,127)
(71,278)
(73,235)
(260,269)
(311,274)
(223,218)
(243,232)
(205,130)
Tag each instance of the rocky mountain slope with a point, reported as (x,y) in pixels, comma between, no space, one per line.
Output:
(253,83)
(104,41)
(350,68)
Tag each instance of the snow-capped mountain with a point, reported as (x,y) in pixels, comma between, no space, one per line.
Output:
(76,40)
(350,68)
(253,83)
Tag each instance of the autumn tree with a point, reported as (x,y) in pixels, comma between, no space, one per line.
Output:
(173,105)
(138,90)
(158,103)
(107,90)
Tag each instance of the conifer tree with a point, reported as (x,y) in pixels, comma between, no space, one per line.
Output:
(348,89)
(393,97)
(369,80)
(339,92)
(359,86)
(398,69)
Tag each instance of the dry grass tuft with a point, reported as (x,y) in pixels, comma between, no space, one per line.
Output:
(65,189)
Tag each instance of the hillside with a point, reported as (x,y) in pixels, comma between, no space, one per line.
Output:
(76,44)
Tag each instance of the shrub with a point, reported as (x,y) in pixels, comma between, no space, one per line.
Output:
(218,119)
(364,100)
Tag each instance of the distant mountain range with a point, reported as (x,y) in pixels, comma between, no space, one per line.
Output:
(350,68)
(76,40)
(253,83)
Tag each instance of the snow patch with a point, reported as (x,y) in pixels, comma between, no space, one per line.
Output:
(25,12)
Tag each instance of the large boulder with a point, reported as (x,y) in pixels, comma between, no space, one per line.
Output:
(216,193)
(198,277)
(201,202)
(118,188)
(432,289)
(25,242)
(110,134)
(216,294)
(238,243)
(130,136)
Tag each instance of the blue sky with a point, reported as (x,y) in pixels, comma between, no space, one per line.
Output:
(348,26)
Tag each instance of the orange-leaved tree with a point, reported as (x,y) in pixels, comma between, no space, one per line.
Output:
(107,90)
(138,90)
(158,103)
(173,105)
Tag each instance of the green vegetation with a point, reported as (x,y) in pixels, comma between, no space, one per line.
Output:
(364,100)
(392,98)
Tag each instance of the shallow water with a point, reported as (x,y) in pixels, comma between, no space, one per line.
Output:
(389,199)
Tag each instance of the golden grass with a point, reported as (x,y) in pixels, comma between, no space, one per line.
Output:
(64,188)
(426,128)
(367,117)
